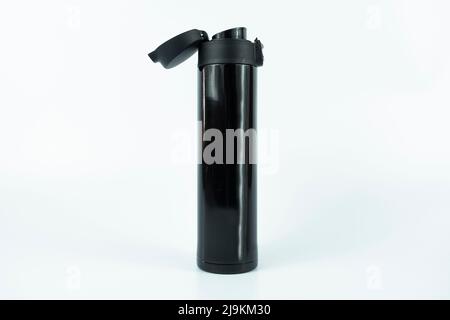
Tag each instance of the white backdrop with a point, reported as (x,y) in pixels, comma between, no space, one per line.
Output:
(97,186)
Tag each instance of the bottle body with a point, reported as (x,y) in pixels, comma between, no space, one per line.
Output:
(227,239)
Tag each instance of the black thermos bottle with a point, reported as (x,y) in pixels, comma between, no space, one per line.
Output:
(227,241)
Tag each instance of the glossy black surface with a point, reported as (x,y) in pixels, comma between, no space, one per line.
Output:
(235,33)
(227,192)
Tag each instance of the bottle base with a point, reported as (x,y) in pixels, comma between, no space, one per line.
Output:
(226,268)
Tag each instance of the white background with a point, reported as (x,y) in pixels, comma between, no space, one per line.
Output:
(98,194)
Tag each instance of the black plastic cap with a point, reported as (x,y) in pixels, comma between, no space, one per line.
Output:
(176,50)
(227,47)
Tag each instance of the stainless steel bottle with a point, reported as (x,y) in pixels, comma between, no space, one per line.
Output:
(227,67)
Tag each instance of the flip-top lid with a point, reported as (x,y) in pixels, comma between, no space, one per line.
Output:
(229,46)
(176,50)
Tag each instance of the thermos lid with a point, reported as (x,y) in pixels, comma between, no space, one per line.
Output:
(176,50)
(229,46)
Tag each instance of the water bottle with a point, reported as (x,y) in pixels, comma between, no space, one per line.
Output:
(227,176)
